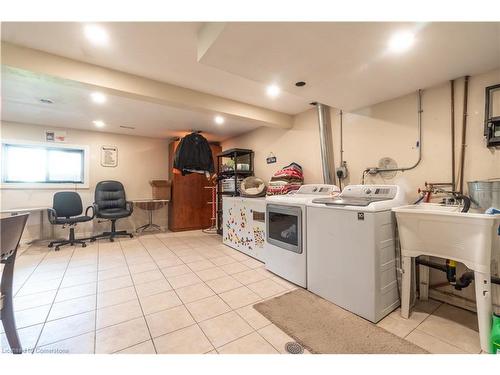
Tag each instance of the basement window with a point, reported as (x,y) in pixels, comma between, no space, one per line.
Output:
(27,165)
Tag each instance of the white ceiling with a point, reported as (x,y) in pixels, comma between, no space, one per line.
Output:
(73,108)
(347,65)
(163,51)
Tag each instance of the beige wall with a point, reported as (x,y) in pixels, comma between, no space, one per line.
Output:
(140,159)
(389,129)
(386,129)
(299,144)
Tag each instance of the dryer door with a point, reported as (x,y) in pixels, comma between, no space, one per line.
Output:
(284,227)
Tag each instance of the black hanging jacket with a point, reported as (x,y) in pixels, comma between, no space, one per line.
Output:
(193,154)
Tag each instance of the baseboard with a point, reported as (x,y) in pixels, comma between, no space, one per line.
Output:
(26,242)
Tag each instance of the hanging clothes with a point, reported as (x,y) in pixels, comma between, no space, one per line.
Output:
(193,155)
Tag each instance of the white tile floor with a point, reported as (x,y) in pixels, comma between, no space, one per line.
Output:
(177,293)
(437,327)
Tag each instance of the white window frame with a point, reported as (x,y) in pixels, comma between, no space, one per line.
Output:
(46,185)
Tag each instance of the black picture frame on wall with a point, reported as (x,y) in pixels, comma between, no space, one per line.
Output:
(491,120)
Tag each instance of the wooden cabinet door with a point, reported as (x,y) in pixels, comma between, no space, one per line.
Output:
(189,208)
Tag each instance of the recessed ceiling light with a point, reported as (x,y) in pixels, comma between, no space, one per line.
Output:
(98,97)
(96,34)
(99,123)
(273,90)
(401,41)
(219,120)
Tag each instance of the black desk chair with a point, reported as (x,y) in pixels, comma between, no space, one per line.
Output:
(11,231)
(111,204)
(67,209)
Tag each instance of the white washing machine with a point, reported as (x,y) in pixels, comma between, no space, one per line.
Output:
(285,249)
(351,249)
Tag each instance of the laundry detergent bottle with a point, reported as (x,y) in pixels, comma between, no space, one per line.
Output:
(495,334)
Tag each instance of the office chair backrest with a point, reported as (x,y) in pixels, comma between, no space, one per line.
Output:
(67,204)
(12,228)
(110,194)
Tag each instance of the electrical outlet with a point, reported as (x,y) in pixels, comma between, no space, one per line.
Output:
(341,171)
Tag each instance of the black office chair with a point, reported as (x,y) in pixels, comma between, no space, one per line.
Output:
(111,204)
(11,230)
(67,210)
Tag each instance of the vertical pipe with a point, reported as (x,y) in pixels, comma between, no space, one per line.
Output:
(464,134)
(341,115)
(452,91)
(325,138)
(341,139)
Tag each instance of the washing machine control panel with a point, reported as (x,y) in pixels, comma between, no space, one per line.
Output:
(370,191)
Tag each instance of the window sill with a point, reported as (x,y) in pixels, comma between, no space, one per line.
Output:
(42,186)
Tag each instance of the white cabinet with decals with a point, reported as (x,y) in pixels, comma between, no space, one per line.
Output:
(244,226)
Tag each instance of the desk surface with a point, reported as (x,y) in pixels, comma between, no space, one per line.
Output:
(24,209)
(150,204)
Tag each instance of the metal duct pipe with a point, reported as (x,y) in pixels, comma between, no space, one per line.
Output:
(325,137)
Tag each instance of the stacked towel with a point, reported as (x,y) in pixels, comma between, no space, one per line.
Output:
(286,180)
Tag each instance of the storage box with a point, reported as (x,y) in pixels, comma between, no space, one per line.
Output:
(161,189)
(227,185)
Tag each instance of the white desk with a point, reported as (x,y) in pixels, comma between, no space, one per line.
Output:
(41,210)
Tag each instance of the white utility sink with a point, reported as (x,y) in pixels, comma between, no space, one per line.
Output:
(445,232)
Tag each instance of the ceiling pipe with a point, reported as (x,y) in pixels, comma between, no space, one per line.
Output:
(326,143)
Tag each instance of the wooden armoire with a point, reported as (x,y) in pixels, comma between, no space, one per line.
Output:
(189,206)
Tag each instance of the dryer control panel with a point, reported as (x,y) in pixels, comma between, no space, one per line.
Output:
(317,189)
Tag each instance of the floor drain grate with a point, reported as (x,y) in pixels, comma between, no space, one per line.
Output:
(294,348)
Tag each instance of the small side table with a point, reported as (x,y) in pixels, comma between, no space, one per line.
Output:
(149,205)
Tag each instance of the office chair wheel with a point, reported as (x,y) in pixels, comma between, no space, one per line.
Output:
(84,245)
(92,240)
(51,244)
(111,240)
(57,248)
(131,235)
